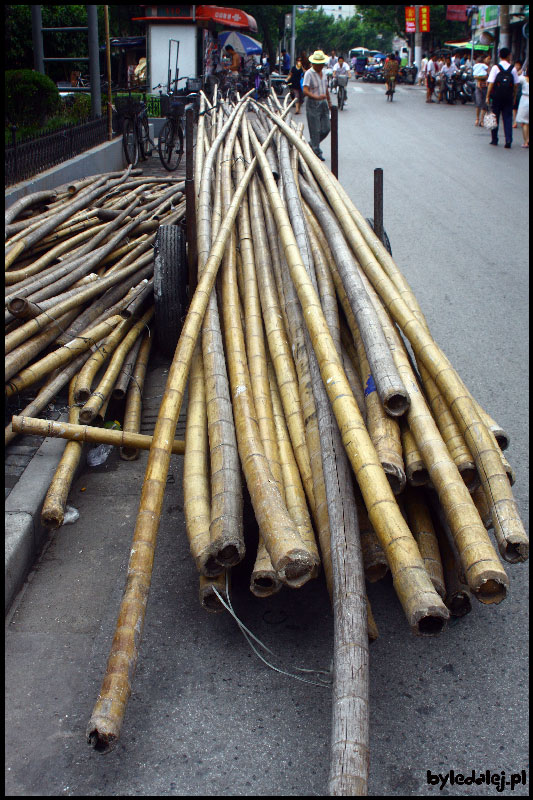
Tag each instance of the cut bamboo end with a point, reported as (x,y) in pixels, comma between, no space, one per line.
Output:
(209,599)
(296,568)
(101,740)
(396,405)
(492,590)
(395,476)
(469,474)
(264,583)
(460,604)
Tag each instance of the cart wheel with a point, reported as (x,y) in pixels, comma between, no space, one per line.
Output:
(386,241)
(170,286)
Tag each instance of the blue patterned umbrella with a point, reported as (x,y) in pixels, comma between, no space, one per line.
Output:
(242,44)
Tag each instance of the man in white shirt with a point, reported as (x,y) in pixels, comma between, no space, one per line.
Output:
(422,73)
(448,69)
(501,92)
(432,70)
(315,88)
(341,68)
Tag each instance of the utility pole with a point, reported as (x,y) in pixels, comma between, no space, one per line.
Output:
(293,36)
(37,39)
(418,38)
(94,61)
(505,38)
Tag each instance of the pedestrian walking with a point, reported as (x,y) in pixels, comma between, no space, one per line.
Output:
(501,92)
(294,82)
(518,67)
(285,62)
(318,105)
(432,70)
(522,115)
(480,73)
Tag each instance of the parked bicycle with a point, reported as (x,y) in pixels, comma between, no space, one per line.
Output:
(136,140)
(171,136)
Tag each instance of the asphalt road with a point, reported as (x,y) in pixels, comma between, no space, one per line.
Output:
(206,717)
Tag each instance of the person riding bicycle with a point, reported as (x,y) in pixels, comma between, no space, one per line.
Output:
(390,72)
(341,68)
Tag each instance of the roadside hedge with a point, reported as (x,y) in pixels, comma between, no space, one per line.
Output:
(29,97)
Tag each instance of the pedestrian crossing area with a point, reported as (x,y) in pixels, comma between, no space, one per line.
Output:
(379,88)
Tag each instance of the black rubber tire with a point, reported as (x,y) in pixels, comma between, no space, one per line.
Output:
(340,97)
(144,139)
(130,144)
(171,145)
(386,241)
(170,286)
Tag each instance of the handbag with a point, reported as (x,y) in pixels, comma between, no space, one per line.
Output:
(490,121)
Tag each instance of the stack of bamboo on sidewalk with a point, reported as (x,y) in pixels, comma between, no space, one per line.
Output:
(79,300)
(360,453)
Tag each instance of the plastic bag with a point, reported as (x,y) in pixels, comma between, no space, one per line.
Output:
(490,121)
(98,455)
(71,515)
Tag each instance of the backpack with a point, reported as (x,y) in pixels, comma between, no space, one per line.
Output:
(503,85)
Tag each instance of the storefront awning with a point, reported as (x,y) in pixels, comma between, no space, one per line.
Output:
(229,17)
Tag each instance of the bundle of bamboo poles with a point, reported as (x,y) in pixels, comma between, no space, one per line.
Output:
(358,454)
(79,305)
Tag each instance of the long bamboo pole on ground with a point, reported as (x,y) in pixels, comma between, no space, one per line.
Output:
(423,607)
(350,717)
(55,502)
(32,426)
(421,525)
(106,720)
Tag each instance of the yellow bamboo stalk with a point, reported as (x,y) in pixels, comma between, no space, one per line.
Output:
(282,361)
(293,562)
(483,571)
(383,429)
(196,480)
(374,559)
(61,356)
(415,468)
(18,358)
(33,426)
(105,387)
(132,410)
(506,517)
(95,362)
(55,502)
(483,506)
(106,720)
(458,598)
(423,530)
(423,607)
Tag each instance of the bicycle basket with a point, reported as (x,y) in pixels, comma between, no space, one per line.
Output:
(172,106)
(128,106)
(342,80)
(194,84)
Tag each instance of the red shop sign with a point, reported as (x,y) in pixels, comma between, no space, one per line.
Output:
(410,19)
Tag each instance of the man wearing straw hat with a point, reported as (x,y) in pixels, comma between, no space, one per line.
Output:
(315,88)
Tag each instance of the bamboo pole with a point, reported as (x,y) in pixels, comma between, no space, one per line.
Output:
(105,387)
(120,388)
(208,597)
(19,358)
(27,201)
(458,598)
(196,481)
(55,502)
(33,426)
(106,720)
(424,532)
(94,363)
(415,468)
(484,573)
(374,559)
(60,357)
(133,407)
(52,386)
(423,607)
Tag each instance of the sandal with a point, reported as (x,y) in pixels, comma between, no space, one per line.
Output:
(525,145)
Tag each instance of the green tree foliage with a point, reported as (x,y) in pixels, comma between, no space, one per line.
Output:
(270,23)
(29,97)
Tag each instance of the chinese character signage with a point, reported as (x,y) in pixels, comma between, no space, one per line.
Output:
(456,13)
(424,19)
(410,19)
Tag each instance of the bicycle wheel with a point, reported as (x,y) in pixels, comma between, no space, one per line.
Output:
(340,97)
(171,145)
(130,143)
(144,139)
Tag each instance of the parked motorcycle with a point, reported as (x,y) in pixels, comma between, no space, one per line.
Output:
(374,73)
(407,75)
(466,86)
